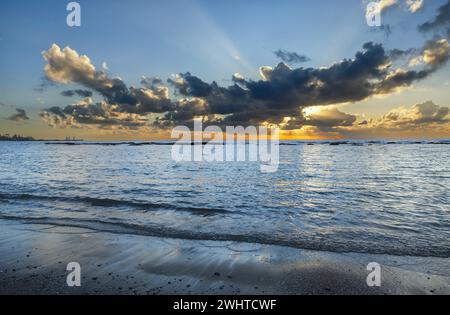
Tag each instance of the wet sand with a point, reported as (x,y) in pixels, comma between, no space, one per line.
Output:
(33,260)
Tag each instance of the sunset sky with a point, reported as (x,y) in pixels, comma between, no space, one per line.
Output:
(135,69)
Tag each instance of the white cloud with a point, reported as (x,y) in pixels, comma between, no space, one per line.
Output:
(414,5)
(409,117)
(67,66)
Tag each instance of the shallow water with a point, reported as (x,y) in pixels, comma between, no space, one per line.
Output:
(374,198)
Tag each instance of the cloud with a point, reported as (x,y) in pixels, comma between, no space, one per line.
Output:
(436,53)
(278,97)
(21,115)
(184,113)
(441,20)
(291,57)
(322,118)
(189,85)
(238,78)
(283,91)
(86,112)
(425,119)
(122,106)
(67,66)
(265,72)
(396,54)
(385,4)
(291,97)
(420,120)
(328,116)
(431,57)
(419,115)
(77,92)
(414,5)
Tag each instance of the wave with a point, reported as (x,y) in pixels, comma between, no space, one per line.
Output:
(300,242)
(108,202)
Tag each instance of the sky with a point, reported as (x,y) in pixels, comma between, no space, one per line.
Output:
(136,69)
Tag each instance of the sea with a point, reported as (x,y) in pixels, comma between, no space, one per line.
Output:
(376,197)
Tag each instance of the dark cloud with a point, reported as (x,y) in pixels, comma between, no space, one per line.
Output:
(291,57)
(56,111)
(67,66)
(282,92)
(189,85)
(21,115)
(345,81)
(399,53)
(441,20)
(78,92)
(434,53)
(401,79)
(86,113)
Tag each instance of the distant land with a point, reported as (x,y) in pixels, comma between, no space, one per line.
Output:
(8,137)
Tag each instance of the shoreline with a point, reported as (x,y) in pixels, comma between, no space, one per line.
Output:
(33,260)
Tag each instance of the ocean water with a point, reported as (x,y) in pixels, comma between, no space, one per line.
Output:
(369,198)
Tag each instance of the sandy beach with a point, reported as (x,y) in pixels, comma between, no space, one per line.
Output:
(34,259)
